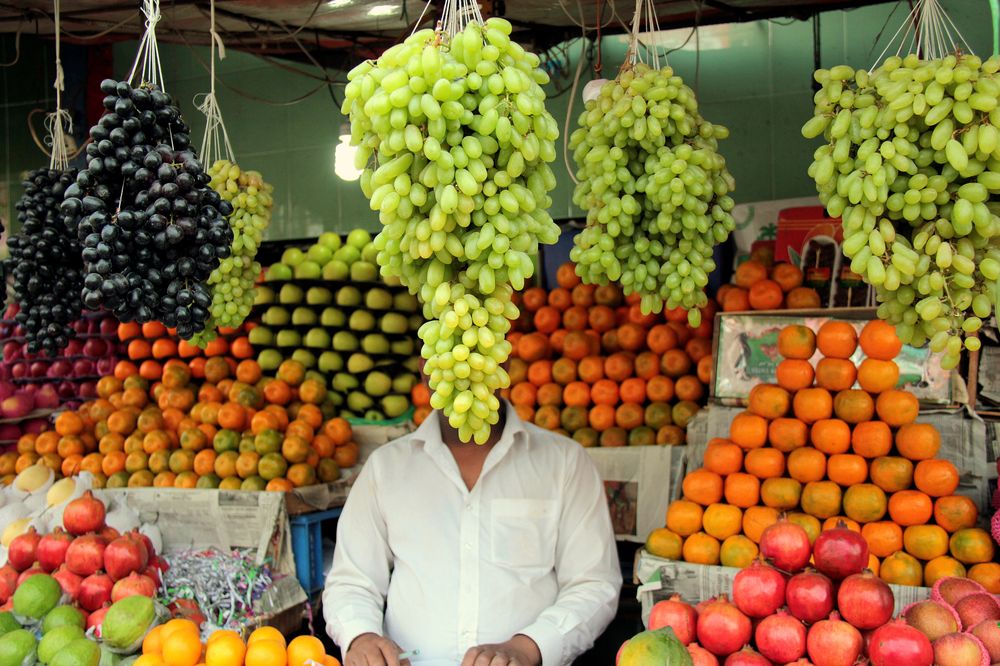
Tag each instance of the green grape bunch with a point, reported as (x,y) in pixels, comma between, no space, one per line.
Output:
(232,282)
(455,142)
(911,165)
(655,189)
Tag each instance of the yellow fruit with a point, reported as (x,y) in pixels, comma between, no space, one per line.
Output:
(14,530)
(265,634)
(303,649)
(60,491)
(33,478)
(225,651)
(266,653)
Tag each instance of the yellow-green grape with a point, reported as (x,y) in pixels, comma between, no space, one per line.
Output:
(912,164)
(655,190)
(455,143)
(232,283)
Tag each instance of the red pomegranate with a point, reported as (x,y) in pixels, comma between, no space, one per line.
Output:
(833,642)
(8,582)
(786,546)
(84,514)
(109,533)
(801,662)
(809,596)
(722,627)
(52,549)
(759,590)
(746,657)
(95,619)
(68,581)
(123,556)
(133,585)
(840,552)
(22,551)
(146,541)
(85,555)
(95,591)
(781,638)
(899,644)
(28,573)
(679,616)
(700,656)
(865,600)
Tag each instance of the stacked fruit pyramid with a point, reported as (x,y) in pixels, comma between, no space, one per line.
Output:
(150,345)
(759,284)
(219,424)
(587,362)
(828,454)
(178,643)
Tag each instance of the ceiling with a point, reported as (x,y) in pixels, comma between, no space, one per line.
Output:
(340,32)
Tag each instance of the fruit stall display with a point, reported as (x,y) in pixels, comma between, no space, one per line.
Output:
(761,284)
(326,308)
(587,362)
(148,346)
(216,424)
(833,457)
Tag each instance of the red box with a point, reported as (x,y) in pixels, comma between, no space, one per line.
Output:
(797,225)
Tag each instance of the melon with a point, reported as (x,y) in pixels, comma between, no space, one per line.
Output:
(54,641)
(61,616)
(81,652)
(127,622)
(659,646)
(18,648)
(8,622)
(36,596)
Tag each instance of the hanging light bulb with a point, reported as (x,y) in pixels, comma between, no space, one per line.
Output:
(343,156)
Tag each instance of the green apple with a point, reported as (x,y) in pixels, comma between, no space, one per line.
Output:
(378,299)
(336,270)
(362,271)
(405,302)
(308,270)
(290,294)
(319,296)
(275,316)
(330,240)
(403,383)
(289,339)
(261,335)
(317,376)
(317,338)
(333,318)
(359,238)
(293,256)
(279,271)
(361,320)
(377,383)
(395,405)
(344,341)
(369,253)
(303,316)
(269,359)
(320,254)
(375,343)
(336,400)
(374,415)
(347,414)
(263,295)
(347,254)
(412,364)
(401,347)
(358,363)
(359,402)
(344,382)
(305,357)
(348,296)
(330,361)
(394,323)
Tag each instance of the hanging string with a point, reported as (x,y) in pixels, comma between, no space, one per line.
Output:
(927,31)
(459,13)
(59,122)
(148,55)
(215,143)
(645,15)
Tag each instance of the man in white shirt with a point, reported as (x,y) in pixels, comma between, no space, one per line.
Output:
(494,555)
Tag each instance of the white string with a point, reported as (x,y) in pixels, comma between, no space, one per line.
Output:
(57,122)
(644,16)
(927,31)
(459,13)
(416,26)
(148,54)
(215,143)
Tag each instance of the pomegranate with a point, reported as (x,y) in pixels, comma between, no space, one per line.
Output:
(865,600)
(932,618)
(809,596)
(700,656)
(123,556)
(960,649)
(95,591)
(21,553)
(52,549)
(759,590)
(84,514)
(95,619)
(109,533)
(899,644)
(187,609)
(85,555)
(146,541)
(833,642)
(975,608)
(786,546)
(801,662)
(722,627)
(840,552)
(950,590)
(988,632)
(133,585)
(8,582)
(747,657)
(679,616)
(153,574)
(28,573)
(781,638)
(68,581)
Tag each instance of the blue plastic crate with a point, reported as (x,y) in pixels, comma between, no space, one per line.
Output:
(307,547)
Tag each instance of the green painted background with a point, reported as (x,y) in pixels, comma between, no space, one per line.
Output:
(753,77)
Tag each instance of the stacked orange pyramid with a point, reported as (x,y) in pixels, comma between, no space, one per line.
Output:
(821,451)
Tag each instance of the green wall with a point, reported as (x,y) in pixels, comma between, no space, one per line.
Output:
(753,77)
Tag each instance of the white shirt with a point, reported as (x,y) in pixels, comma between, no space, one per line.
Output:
(529,550)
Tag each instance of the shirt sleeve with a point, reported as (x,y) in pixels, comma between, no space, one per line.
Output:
(356,587)
(587,570)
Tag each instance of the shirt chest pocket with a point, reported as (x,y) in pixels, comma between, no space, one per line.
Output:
(524,531)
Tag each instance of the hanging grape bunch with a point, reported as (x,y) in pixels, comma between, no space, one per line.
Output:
(231,283)
(152,230)
(461,142)
(45,262)
(912,166)
(655,190)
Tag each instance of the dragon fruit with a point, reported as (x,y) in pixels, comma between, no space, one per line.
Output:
(995,525)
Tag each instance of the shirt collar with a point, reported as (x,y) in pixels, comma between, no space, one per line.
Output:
(429,432)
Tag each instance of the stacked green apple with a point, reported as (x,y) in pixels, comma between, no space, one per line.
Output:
(456,142)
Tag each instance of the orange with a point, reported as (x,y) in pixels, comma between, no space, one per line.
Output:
(806,465)
(796,342)
(722,521)
(765,463)
(955,512)
(878,340)
(943,566)
(871,439)
(152,643)
(812,405)
(837,340)
(787,434)
(841,521)
(864,503)
(876,376)
(910,507)
(787,275)
(703,487)
(884,537)
(738,551)
(181,648)
(742,490)
(756,519)
(749,273)
(918,441)
(305,648)
(971,546)
(664,543)
(901,569)
(809,523)
(892,473)
(794,374)
(847,469)
(831,436)
(854,406)
(835,374)
(937,478)
(925,541)
(684,517)
(986,574)
(266,653)
(69,423)
(265,633)
(897,408)
(768,401)
(723,457)
(748,430)
(735,300)
(765,295)
(701,548)
(781,494)
(821,499)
